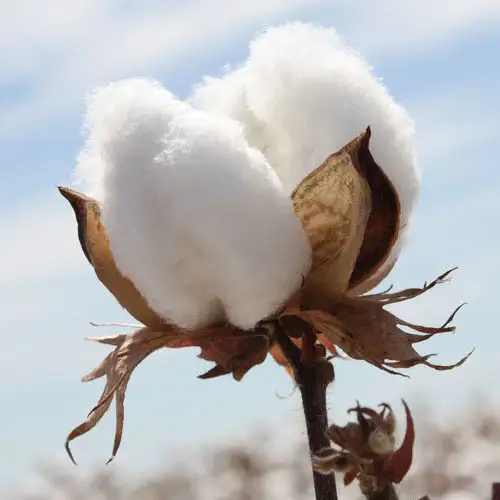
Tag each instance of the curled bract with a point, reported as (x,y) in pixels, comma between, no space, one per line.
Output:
(234,351)
(364,330)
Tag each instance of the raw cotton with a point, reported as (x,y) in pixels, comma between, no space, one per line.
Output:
(302,94)
(196,218)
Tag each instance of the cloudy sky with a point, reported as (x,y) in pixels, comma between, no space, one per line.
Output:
(438,58)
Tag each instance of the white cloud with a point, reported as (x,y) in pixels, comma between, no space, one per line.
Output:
(41,271)
(36,35)
(83,44)
(397,28)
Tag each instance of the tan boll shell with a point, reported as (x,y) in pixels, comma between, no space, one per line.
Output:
(382,229)
(95,246)
(350,212)
(333,203)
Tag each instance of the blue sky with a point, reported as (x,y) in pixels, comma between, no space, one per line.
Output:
(440,59)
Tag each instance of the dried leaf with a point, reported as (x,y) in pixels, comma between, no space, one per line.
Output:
(95,246)
(333,203)
(233,351)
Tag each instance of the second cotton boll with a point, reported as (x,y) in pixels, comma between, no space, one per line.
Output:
(196,218)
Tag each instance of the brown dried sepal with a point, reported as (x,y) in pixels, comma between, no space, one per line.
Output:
(234,351)
(364,330)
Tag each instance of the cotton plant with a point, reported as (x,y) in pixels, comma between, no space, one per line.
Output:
(252,219)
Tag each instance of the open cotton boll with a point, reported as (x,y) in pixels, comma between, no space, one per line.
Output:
(196,218)
(302,95)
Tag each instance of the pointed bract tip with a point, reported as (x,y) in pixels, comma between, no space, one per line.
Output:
(366,136)
(70,194)
(75,198)
(69,452)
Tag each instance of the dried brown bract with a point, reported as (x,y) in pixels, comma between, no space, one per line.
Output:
(364,330)
(365,449)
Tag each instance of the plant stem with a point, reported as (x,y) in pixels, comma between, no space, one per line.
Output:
(312,379)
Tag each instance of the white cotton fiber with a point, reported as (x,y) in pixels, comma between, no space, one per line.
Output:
(139,109)
(302,94)
(197,219)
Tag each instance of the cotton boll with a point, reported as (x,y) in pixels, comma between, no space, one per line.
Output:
(196,218)
(302,94)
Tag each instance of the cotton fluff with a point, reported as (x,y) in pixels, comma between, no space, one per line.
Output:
(196,218)
(302,94)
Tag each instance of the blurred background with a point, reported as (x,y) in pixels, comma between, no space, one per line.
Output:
(187,438)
